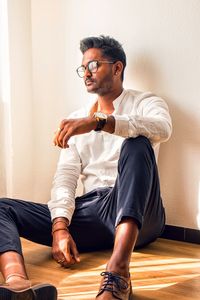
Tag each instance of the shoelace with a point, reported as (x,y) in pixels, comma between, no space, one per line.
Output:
(111,280)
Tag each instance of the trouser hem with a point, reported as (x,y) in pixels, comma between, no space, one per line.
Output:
(137,218)
(6,249)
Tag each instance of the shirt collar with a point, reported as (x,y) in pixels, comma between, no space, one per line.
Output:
(92,104)
(118,100)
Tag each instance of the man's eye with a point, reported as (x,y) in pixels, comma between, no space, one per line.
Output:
(92,65)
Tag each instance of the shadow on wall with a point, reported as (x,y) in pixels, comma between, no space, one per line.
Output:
(179,167)
(179,158)
(144,72)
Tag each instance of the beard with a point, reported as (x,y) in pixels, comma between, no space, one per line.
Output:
(100,87)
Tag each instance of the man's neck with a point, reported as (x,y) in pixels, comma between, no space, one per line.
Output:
(105,102)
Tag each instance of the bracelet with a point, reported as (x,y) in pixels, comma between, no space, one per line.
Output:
(59,221)
(59,228)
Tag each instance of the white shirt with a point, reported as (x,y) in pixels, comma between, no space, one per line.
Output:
(93,156)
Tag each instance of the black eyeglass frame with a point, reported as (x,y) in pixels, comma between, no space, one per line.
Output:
(98,62)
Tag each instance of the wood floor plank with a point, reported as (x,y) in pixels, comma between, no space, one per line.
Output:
(164,270)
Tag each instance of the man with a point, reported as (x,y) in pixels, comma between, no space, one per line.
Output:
(112,146)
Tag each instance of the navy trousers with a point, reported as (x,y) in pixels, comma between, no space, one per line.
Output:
(136,194)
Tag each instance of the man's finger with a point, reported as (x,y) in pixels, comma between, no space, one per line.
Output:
(68,265)
(58,132)
(75,252)
(65,140)
(68,258)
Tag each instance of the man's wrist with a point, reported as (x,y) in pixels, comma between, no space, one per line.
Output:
(101,119)
(60,220)
(92,122)
(59,229)
(109,126)
(59,224)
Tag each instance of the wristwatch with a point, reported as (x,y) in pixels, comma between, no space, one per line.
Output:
(101,119)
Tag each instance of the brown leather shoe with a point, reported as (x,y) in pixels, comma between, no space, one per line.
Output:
(115,286)
(15,290)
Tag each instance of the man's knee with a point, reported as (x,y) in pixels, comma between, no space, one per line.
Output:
(4,202)
(8,206)
(136,146)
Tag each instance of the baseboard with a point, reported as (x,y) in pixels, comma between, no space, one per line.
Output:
(181,234)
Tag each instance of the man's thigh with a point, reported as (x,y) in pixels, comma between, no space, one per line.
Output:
(92,225)
(32,220)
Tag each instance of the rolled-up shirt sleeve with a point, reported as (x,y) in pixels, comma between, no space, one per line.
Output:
(62,202)
(150,117)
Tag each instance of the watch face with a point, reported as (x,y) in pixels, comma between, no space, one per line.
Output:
(100,115)
(101,120)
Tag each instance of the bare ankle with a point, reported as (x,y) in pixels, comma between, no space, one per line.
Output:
(118,268)
(12,266)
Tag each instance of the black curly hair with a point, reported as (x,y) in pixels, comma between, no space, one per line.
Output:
(111,48)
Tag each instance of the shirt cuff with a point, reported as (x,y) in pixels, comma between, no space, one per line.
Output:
(61,212)
(121,125)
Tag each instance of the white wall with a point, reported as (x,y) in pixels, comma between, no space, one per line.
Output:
(50,88)
(162,42)
(20,50)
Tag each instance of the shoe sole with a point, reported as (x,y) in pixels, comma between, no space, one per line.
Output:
(45,292)
(39,292)
(7,294)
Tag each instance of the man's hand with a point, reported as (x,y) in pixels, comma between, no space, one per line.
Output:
(64,249)
(70,127)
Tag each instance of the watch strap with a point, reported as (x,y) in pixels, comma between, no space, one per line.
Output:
(100,124)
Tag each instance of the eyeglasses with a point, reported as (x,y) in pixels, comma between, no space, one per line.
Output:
(92,67)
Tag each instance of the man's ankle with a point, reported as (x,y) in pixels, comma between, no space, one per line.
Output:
(121,270)
(15,277)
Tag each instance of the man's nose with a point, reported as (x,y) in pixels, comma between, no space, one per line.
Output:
(87,73)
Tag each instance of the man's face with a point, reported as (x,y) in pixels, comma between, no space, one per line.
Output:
(102,81)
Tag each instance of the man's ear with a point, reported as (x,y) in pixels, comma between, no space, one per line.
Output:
(118,68)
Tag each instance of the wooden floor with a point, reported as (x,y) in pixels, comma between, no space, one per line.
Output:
(165,270)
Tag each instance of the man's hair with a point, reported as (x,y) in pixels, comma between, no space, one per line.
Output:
(111,48)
